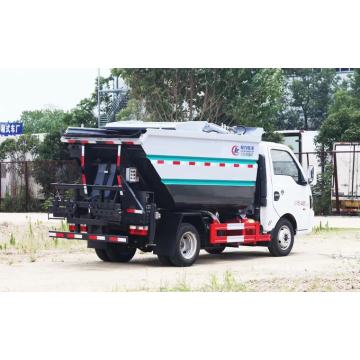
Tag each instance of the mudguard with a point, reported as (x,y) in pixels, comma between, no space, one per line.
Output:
(167,230)
(167,233)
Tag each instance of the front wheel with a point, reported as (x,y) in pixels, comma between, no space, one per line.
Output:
(282,238)
(120,253)
(187,246)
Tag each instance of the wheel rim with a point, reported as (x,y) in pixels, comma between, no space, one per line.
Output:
(284,237)
(188,245)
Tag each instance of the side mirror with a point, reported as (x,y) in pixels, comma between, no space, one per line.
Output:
(311,173)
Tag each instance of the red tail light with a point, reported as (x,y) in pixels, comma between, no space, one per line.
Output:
(138,230)
(72,227)
(83,228)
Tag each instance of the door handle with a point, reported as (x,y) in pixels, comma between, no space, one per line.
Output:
(276,196)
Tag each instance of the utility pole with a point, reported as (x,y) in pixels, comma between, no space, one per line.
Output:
(98,97)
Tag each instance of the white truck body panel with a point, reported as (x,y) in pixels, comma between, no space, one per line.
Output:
(199,151)
(205,152)
(202,156)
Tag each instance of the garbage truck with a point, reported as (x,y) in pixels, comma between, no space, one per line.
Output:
(174,188)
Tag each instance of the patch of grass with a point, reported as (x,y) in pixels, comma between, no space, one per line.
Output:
(64,226)
(56,242)
(322,228)
(227,284)
(180,286)
(12,239)
(32,237)
(31,233)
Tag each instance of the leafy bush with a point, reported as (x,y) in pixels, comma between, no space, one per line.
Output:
(322,191)
(19,203)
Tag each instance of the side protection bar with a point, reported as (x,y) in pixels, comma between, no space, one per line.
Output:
(85,236)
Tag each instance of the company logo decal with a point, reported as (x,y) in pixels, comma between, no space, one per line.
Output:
(243,150)
(235,150)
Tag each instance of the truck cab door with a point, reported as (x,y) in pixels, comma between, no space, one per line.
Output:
(290,190)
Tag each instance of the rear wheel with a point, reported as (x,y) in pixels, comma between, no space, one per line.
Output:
(216,250)
(102,255)
(187,246)
(120,253)
(282,238)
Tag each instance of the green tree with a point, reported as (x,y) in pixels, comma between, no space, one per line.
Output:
(133,111)
(343,121)
(54,124)
(322,190)
(341,124)
(258,98)
(43,121)
(232,96)
(83,114)
(17,149)
(308,96)
(53,121)
(355,85)
(51,161)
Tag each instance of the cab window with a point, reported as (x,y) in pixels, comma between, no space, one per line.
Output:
(284,164)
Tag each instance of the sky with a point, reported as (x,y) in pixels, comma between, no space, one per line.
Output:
(35,89)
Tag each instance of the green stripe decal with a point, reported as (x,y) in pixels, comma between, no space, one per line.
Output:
(200,159)
(207,182)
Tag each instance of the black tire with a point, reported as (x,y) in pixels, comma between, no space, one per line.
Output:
(187,246)
(120,253)
(102,255)
(216,250)
(164,260)
(282,238)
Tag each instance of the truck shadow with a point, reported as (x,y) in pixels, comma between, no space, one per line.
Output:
(231,256)
(152,260)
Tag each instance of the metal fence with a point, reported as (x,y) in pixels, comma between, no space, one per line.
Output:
(26,185)
(338,175)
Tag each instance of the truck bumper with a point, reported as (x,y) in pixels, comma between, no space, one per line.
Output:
(85,236)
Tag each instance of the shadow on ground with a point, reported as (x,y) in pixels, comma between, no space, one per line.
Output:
(152,261)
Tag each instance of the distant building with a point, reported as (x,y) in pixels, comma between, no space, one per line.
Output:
(344,73)
(344,70)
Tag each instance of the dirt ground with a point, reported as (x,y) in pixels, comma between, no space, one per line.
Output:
(326,260)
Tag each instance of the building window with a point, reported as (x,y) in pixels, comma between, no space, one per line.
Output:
(344,70)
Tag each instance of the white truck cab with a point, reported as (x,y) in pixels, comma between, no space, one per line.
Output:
(288,190)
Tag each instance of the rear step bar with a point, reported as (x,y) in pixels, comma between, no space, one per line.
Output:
(83,236)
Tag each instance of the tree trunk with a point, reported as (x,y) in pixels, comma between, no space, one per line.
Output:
(176,93)
(305,121)
(191,94)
